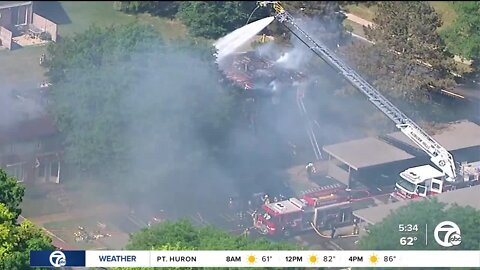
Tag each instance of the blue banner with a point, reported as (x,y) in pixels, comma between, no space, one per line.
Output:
(57,258)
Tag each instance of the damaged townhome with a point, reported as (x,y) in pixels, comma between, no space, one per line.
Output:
(30,147)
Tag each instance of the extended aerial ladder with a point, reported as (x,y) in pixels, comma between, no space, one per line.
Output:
(438,154)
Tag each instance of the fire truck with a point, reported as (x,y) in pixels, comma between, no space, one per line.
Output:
(425,181)
(320,210)
(418,181)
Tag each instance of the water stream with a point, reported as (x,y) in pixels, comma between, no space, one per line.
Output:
(231,42)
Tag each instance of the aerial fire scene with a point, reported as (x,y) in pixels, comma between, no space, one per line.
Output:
(306,126)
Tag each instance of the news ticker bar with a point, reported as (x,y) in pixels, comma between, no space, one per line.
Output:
(313,258)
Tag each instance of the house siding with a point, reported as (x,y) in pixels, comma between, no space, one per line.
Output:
(6,17)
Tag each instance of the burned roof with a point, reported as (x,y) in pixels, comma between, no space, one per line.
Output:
(10,4)
(366,152)
(462,197)
(457,135)
(28,130)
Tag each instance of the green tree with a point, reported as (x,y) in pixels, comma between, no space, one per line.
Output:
(386,235)
(182,235)
(213,19)
(96,47)
(329,24)
(131,113)
(17,240)
(11,193)
(408,57)
(158,8)
(463,36)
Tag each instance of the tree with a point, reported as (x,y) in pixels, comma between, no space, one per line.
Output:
(463,36)
(96,47)
(182,235)
(17,240)
(11,193)
(135,116)
(329,20)
(408,57)
(386,236)
(213,19)
(157,8)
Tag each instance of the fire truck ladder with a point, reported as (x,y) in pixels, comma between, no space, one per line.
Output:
(438,154)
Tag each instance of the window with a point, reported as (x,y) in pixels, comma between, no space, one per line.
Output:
(41,170)
(406,185)
(421,189)
(54,169)
(16,170)
(436,186)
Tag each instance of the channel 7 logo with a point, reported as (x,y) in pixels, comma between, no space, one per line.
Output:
(447,234)
(57,258)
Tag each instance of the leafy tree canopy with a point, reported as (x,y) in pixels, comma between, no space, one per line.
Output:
(214,19)
(158,8)
(11,193)
(386,236)
(408,57)
(463,36)
(96,47)
(131,107)
(16,240)
(182,235)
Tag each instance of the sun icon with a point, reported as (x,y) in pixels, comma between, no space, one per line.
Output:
(251,259)
(313,259)
(373,258)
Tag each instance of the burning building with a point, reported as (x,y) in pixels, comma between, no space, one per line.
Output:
(30,148)
(258,75)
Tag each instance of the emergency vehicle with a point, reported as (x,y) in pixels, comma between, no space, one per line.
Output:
(418,181)
(321,210)
(425,180)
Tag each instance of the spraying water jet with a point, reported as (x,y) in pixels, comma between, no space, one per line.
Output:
(231,42)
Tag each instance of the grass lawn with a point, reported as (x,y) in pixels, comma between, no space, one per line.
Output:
(39,207)
(357,28)
(21,67)
(36,203)
(362,11)
(446,12)
(87,192)
(82,14)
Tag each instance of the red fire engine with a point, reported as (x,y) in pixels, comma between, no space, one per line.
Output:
(320,210)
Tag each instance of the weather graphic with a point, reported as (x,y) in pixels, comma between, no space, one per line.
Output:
(251,259)
(313,259)
(374,259)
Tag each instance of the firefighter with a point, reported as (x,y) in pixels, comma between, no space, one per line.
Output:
(332,235)
(246,232)
(310,170)
(355,226)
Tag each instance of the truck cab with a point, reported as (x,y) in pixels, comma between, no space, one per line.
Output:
(419,181)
